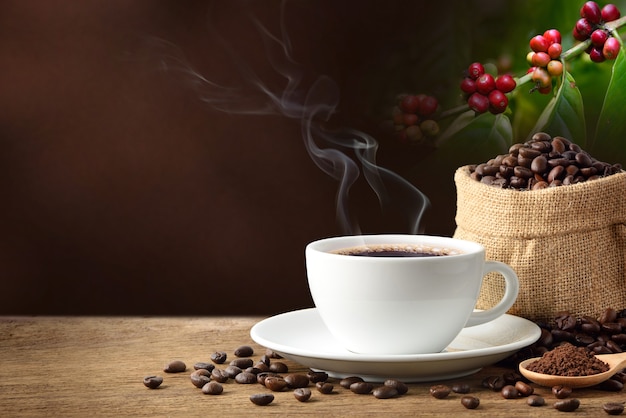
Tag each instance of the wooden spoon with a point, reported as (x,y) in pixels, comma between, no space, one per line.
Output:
(616,363)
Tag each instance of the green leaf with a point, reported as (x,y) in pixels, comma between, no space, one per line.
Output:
(457,125)
(610,139)
(564,114)
(472,138)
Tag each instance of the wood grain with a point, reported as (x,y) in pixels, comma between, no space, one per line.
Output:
(82,366)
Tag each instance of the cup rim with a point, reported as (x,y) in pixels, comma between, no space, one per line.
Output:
(327,245)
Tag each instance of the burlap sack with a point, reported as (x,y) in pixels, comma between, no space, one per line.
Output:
(567,243)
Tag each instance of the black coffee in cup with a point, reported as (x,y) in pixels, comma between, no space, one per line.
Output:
(397,250)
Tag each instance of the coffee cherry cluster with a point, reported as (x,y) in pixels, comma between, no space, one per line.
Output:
(591,26)
(545,59)
(484,92)
(413,117)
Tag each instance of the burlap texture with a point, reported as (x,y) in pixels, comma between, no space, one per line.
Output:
(567,243)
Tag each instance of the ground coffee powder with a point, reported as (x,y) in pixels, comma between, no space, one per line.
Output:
(568,360)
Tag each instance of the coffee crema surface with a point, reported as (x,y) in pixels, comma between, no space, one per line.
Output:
(397,250)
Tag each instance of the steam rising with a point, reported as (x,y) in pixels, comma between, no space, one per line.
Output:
(313,106)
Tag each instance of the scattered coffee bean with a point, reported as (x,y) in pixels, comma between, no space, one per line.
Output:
(261,366)
(324,387)
(242,363)
(347,381)
(315,377)
(265,360)
(279,367)
(510,378)
(608,315)
(535,400)
(567,405)
(245,378)
(509,392)
(232,371)
(212,388)
(202,372)
(176,366)
(253,370)
(262,399)
(275,383)
(202,365)
(524,388)
(272,354)
(302,394)
(613,408)
(611,328)
(385,392)
(152,382)
(296,381)
(401,387)
(494,383)
(470,402)
(461,388)
(561,392)
(200,377)
(439,391)
(244,351)
(361,388)
(219,375)
(602,349)
(545,339)
(260,378)
(620,377)
(613,346)
(611,385)
(219,357)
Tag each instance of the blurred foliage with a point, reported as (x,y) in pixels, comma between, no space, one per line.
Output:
(491,31)
(586,106)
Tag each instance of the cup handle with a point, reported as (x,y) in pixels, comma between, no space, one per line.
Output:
(510,294)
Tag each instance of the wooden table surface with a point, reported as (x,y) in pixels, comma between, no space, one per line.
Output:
(84,366)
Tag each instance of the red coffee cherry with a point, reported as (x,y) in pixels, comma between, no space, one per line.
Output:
(591,11)
(553,36)
(468,85)
(410,119)
(485,84)
(596,54)
(539,43)
(427,105)
(555,50)
(540,59)
(409,103)
(611,48)
(498,102)
(475,70)
(610,12)
(599,37)
(584,27)
(577,35)
(505,83)
(479,103)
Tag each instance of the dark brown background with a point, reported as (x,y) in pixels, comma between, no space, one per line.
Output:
(124,193)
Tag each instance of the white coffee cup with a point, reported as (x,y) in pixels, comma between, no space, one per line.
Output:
(401,305)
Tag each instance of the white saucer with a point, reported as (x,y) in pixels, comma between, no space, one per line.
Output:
(301,336)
